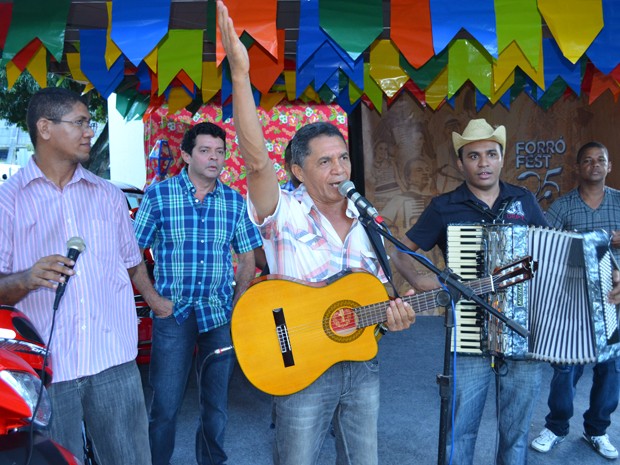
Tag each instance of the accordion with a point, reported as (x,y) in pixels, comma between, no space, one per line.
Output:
(564,306)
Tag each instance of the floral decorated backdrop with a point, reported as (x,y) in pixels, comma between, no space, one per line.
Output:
(279,126)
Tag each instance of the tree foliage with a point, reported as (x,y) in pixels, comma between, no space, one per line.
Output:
(14,102)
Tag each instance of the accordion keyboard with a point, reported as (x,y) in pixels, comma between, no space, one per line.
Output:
(464,257)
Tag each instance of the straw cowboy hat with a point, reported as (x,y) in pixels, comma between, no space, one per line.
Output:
(479,129)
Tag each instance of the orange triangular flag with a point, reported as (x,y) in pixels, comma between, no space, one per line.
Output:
(258,19)
(412,33)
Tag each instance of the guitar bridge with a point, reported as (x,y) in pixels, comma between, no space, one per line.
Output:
(283,338)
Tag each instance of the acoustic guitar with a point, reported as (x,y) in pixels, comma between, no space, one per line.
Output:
(287,332)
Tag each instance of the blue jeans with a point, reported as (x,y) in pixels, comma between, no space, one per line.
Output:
(348,393)
(603,397)
(111,404)
(518,389)
(171,361)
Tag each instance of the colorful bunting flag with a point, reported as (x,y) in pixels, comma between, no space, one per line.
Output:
(6,11)
(573,23)
(211,80)
(437,91)
(385,69)
(352,24)
(478,18)
(265,69)
(93,65)
(112,52)
(410,30)
(43,19)
(602,83)
(258,19)
(511,57)
(138,26)
(519,23)
(181,49)
(556,65)
(426,74)
(466,61)
(372,89)
(604,52)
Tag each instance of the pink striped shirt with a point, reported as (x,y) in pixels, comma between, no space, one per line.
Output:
(301,243)
(96,323)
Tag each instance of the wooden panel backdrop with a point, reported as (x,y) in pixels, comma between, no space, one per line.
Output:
(408,154)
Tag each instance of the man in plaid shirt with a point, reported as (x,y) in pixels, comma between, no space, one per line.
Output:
(191,222)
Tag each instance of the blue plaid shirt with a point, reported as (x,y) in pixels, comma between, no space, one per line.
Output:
(191,243)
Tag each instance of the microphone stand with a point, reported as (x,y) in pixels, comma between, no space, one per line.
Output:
(456,289)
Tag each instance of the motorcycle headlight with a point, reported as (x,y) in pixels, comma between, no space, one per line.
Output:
(28,387)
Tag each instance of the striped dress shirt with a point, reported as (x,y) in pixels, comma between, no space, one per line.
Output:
(96,322)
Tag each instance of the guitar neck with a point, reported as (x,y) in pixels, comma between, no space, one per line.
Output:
(374,314)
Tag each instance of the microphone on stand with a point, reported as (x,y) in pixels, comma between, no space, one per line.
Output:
(75,246)
(347,189)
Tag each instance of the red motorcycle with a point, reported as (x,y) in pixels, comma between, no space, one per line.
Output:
(23,377)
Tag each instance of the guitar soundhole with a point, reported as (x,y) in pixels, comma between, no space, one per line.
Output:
(340,322)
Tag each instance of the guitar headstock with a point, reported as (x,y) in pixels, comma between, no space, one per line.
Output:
(515,272)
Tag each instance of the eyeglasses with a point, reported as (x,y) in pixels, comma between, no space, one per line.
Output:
(81,123)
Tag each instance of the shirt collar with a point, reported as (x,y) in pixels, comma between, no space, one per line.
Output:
(302,196)
(462,193)
(186,182)
(33,172)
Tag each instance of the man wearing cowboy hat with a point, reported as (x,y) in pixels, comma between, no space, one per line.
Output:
(482,197)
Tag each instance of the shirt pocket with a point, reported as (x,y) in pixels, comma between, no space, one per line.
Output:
(101,239)
(369,261)
(311,242)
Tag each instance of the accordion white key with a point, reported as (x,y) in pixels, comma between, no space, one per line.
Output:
(564,306)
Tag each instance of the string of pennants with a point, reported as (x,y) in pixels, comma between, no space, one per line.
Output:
(340,56)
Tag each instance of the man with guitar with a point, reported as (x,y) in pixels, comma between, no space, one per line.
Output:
(311,234)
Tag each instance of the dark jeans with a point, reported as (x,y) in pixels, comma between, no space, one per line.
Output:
(171,360)
(603,397)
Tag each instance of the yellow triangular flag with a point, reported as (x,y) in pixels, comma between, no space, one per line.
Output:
(574,24)
(509,59)
(438,90)
(37,66)
(12,74)
(211,80)
(385,67)
(178,99)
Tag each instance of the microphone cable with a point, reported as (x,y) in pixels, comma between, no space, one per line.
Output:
(75,243)
(40,394)
(203,364)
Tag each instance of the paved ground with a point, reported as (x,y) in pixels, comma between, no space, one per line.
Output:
(410,404)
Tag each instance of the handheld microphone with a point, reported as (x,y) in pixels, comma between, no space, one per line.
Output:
(347,189)
(75,246)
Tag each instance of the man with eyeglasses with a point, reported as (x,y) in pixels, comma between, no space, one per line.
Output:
(591,205)
(94,341)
